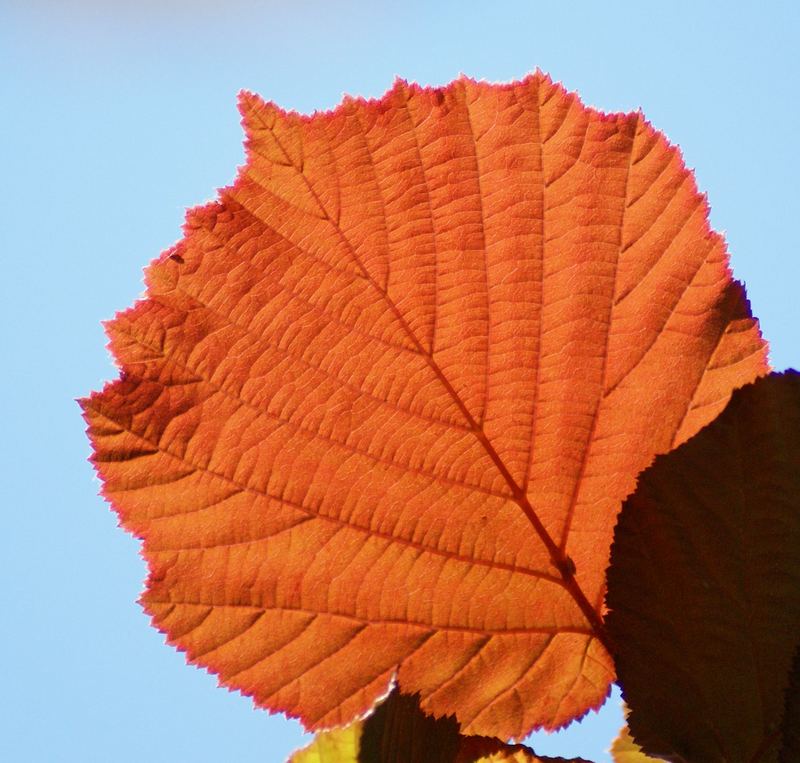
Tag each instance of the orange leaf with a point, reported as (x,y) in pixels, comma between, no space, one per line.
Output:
(704,584)
(380,407)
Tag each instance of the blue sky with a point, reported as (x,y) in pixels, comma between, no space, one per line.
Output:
(115,120)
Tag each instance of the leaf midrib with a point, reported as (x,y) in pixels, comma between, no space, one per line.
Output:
(559,558)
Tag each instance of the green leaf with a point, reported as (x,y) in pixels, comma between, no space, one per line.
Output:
(335,746)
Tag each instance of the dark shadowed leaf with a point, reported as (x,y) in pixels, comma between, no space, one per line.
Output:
(790,731)
(704,583)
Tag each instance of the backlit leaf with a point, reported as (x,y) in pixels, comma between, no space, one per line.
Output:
(380,406)
(340,745)
(625,750)
(397,731)
(704,584)
(518,754)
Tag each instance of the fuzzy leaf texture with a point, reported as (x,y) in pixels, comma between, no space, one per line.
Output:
(380,406)
(397,731)
(704,585)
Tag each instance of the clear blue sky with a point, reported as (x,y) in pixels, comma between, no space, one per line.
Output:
(114,121)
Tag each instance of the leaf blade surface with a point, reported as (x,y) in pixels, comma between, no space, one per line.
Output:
(381,405)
